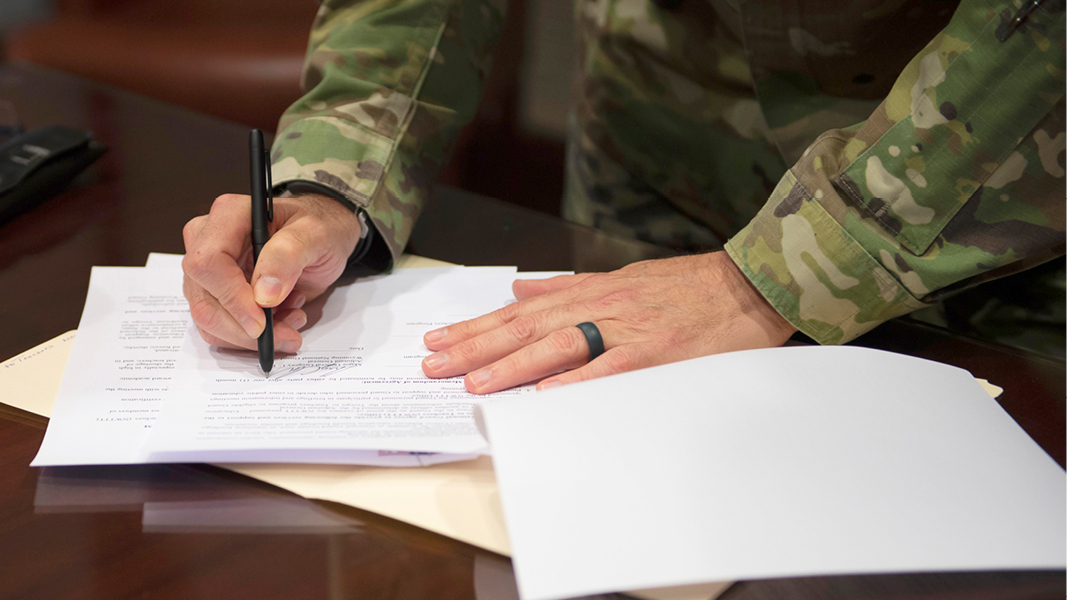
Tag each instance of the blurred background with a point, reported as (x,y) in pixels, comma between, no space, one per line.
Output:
(240,60)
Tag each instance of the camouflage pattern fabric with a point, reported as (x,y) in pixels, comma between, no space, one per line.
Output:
(388,84)
(956,178)
(668,143)
(673,145)
(927,155)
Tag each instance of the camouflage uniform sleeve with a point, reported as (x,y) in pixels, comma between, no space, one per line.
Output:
(956,178)
(388,84)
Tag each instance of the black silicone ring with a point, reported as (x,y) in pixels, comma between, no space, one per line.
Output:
(592,336)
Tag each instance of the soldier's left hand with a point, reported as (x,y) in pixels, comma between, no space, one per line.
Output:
(648,313)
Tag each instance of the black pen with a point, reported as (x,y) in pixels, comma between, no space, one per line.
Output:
(262,214)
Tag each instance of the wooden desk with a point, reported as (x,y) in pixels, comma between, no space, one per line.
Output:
(165,166)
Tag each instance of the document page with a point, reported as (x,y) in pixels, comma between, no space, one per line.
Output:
(355,387)
(120,367)
(354,394)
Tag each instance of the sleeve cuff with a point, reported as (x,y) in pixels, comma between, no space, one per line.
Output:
(354,163)
(813,272)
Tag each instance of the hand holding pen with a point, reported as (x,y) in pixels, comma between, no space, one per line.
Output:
(311,240)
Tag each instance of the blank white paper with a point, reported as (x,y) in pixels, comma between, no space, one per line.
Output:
(769,463)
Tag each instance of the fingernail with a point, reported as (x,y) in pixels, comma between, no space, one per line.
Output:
(296,320)
(436,335)
(480,378)
(299,300)
(288,347)
(267,291)
(436,361)
(551,383)
(252,327)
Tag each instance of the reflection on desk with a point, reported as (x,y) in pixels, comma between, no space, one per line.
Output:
(175,499)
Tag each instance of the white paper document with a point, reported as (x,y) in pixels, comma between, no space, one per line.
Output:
(161,260)
(770,463)
(141,386)
(356,386)
(120,367)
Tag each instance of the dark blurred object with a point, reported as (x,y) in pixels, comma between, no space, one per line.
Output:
(36,165)
(10,124)
(235,59)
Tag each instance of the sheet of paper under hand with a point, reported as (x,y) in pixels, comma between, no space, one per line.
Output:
(770,463)
(406,261)
(355,394)
(356,385)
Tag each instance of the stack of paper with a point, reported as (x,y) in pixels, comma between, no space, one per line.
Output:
(142,387)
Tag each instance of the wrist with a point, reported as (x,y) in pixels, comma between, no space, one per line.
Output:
(750,303)
(330,221)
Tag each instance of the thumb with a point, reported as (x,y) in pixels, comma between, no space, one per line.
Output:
(528,288)
(280,264)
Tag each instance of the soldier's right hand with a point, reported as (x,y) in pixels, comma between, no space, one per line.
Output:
(311,239)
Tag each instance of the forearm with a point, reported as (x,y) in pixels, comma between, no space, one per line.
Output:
(388,86)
